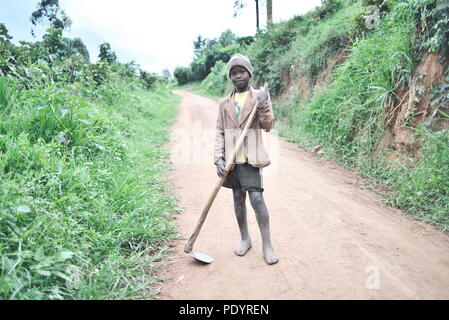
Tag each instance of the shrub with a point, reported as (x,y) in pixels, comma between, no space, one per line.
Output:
(216,83)
(183,75)
(148,78)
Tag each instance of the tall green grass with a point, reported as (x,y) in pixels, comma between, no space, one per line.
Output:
(346,115)
(309,50)
(84,213)
(424,188)
(8,93)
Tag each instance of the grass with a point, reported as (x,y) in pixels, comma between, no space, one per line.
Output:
(8,93)
(424,188)
(310,50)
(199,88)
(176,86)
(361,88)
(206,93)
(85,213)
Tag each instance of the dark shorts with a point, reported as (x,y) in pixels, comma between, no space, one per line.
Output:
(245,176)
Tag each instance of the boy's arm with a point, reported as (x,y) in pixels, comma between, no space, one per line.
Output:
(266,116)
(219,136)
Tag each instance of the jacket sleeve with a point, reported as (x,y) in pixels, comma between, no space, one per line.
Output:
(266,116)
(219,136)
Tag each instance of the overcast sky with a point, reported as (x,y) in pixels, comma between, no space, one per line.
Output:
(156,34)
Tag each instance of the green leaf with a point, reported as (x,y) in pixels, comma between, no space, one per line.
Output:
(421,90)
(63,112)
(64,255)
(26,234)
(23,208)
(45,273)
(62,138)
(84,121)
(63,276)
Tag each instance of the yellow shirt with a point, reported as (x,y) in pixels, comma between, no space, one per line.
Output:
(239,102)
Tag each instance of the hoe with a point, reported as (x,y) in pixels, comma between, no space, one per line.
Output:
(189,246)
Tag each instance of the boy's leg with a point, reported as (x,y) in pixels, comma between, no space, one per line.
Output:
(263,219)
(240,212)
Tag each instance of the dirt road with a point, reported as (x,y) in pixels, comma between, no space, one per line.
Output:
(334,239)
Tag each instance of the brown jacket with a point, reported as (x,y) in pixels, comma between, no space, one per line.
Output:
(228,129)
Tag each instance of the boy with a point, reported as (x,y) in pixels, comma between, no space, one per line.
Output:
(246,172)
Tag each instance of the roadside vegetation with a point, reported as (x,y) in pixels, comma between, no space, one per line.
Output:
(84,211)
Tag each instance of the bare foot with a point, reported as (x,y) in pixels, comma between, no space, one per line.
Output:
(269,255)
(245,245)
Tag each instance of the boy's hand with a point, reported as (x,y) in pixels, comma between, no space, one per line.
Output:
(220,168)
(262,95)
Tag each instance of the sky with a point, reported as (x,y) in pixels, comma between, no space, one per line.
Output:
(155,34)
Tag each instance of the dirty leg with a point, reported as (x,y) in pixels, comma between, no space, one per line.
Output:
(263,219)
(240,212)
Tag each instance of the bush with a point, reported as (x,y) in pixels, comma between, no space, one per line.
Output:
(327,8)
(100,72)
(245,41)
(149,78)
(183,75)
(216,83)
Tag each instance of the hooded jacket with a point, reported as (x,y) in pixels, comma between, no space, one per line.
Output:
(229,128)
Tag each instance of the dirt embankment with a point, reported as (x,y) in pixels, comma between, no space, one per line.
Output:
(413,105)
(410,106)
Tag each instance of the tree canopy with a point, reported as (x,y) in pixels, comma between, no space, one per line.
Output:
(49,10)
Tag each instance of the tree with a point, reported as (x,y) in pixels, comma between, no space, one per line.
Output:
(57,46)
(210,43)
(240,4)
(199,45)
(182,75)
(227,38)
(4,33)
(6,49)
(80,47)
(245,41)
(129,69)
(148,78)
(50,10)
(54,46)
(166,75)
(106,53)
(269,13)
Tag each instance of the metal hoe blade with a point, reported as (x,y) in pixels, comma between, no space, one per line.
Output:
(201,257)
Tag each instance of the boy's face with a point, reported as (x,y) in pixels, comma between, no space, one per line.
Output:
(239,77)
